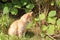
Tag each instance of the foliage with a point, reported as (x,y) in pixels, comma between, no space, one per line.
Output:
(58,22)
(4,22)
(14,5)
(7,37)
(52,13)
(52,23)
(44,27)
(50,29)
(14,11)
(58,3)
(5,10)
(52,3)
(3,37)
(42,16)
(51,20)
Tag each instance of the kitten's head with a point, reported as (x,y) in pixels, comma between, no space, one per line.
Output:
(27,17)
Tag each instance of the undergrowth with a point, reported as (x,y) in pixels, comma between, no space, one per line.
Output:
(49,25)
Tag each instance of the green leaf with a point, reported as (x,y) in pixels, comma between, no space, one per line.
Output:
(52,13)
(58,22)
(9,5)
(44,27)
(17,5)
(5,10)
(42,16)
(57,27)
(51,20)
(52,3)
(27,10)
(30,6)
(42,34)
(14,11)
(36,19)
(51,29)
(24,2)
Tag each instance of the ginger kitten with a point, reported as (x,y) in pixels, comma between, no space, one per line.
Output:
(18,27)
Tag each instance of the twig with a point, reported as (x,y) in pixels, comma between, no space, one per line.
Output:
(50,37)
(57,36)
(38,3)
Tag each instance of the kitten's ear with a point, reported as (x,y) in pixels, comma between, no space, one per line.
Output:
(29,15)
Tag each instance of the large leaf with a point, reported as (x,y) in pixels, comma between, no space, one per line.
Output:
(52,13)
(58,22)
(51,29)
(30,6)
(42,16)
(44,27)
(51,20)
(14,11)
(5,10)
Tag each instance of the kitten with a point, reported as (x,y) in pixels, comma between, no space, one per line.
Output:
(18,27)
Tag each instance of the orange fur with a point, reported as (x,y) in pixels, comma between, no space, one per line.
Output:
(18,26)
